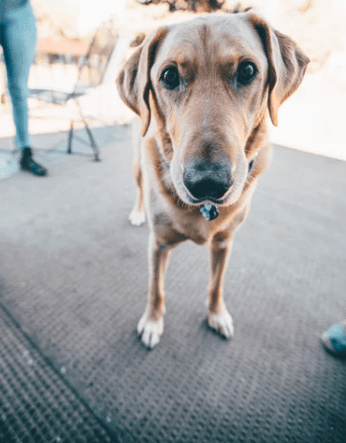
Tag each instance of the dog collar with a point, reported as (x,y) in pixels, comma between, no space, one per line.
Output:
(210,212)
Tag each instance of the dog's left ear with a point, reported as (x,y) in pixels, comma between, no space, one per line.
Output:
(133,81)
(287,64)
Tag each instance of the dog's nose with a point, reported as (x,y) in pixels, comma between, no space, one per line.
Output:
(207,180)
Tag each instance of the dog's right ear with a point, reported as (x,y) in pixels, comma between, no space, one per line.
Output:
(133,81)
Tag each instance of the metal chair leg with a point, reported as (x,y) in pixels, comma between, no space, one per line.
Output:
(70,136)
(92,142)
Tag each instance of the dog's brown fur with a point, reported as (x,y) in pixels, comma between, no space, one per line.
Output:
(208,118)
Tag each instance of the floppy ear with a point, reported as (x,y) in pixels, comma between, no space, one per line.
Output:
(287,64)
(133,81)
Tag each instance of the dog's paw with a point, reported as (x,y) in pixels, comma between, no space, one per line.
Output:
(137,218)
(222,323)
(150,330)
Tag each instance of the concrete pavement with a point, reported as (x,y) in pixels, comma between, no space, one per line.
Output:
(73,283)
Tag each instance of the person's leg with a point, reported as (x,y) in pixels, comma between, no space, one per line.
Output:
(334,339)
(19,43)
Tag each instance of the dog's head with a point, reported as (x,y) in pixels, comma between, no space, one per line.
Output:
(206,85)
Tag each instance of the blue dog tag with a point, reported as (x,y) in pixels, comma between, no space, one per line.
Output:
(209,211)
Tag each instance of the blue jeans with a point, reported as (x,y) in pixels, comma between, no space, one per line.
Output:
(18,40)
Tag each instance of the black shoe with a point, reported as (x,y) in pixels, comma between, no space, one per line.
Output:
(27,163)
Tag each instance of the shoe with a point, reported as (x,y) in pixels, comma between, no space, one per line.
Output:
(334,339)
(27,163)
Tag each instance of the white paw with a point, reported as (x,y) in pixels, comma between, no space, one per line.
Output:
(222,323)
(136,217)
(150,331)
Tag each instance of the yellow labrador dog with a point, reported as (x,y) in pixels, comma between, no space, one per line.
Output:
(202,90)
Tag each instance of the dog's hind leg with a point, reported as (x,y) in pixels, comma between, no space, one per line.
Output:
(137,215)
(219,317)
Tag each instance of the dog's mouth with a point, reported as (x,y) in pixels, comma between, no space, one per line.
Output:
(206,201)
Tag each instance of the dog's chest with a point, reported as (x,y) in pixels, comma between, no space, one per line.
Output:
(173,223)
(171,226)
(194,227)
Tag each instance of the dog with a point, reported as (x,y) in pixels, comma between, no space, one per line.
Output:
(203,89)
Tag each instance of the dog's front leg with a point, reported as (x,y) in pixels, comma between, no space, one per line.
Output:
(150,325)
(219,318)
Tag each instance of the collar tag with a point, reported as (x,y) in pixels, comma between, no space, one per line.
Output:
(209,212)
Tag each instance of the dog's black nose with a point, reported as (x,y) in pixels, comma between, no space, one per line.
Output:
(207,180)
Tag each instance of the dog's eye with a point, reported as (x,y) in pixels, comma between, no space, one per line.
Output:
(170,78)
(246,73)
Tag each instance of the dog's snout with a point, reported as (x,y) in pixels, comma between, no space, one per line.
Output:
(207,180)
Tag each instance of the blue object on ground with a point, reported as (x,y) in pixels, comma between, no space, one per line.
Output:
(334,339)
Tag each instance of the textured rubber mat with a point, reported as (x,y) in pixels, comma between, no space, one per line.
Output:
(75,272)
(35,403)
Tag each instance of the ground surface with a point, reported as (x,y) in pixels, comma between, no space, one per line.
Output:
(74,277)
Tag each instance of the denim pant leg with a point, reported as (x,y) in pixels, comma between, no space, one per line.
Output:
(18,39)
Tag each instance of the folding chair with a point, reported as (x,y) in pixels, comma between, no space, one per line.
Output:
(90,75)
